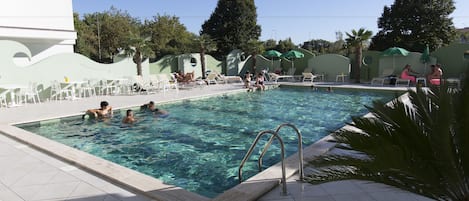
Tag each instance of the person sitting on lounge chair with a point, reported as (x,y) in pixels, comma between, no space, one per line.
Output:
(408,74)
(435,76)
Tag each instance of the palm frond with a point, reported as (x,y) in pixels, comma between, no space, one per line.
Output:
(419,143)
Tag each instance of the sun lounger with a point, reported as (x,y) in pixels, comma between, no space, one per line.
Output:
(384,77)
(275,77)
(308,77)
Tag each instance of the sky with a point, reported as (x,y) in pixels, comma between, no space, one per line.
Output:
(300,20)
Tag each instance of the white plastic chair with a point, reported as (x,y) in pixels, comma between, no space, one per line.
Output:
(3,98)
(87,89)
(308,77)
(29,94)
(380,80)
(57,92)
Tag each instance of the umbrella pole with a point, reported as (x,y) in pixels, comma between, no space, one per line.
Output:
(425,69)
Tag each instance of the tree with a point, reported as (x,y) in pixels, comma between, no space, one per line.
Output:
(285,45)
(204,43)
(168,35)
(253,48)
(420,146)
(86,39)
(270,44)
(138,47)
(355,40)
(317,46)
(111,29)
(232,25)
(414,24)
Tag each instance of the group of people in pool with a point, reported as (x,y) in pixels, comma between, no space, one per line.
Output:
(105,111)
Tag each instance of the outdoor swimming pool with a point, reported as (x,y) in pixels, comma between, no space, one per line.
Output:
(200,145)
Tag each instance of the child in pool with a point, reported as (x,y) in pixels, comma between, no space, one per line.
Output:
(129,117)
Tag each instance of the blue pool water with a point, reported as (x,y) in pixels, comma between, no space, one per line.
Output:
(200,145)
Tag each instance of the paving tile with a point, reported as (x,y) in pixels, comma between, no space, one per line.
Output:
(314,198)
(85,190)
(94,198)
(306,189)
(36,178)
(46,192)
(353,196)
(63,177)
(341,187)
(110,198)
(8,195)
(369,186)
(89,178)
(392,196)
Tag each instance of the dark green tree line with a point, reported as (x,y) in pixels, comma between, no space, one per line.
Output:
(414,24)
(232,24)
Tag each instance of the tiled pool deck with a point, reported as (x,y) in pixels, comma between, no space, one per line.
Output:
(29,174)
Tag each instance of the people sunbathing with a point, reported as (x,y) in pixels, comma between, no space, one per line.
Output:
(184,78)
(409,74)
(435,75)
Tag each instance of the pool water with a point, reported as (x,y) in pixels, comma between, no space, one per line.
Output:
(200,145)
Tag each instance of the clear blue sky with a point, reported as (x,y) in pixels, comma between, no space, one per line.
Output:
(301,20)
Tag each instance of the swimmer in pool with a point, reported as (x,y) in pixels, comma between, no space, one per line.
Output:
(151,107)
(105,111)
(129,117)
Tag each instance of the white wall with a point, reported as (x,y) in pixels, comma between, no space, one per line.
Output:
(44,26)
(39,14)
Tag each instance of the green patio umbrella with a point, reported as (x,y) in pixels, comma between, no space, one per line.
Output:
(291,55)
(395,51)
(425,57)
(271,54)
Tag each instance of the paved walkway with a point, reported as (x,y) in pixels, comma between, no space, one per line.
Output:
(27,174)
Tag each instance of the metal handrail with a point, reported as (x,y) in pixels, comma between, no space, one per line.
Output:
(251,149)
(300,148)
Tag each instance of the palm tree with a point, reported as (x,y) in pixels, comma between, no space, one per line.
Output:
(138,47)
(253,48)
(205,44)
(419,145)
(356,40)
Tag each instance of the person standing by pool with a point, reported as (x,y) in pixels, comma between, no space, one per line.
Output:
(104,111)
(260,81)
(152,108)
(129,117)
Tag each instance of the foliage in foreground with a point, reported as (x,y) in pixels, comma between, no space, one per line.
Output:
(420,146)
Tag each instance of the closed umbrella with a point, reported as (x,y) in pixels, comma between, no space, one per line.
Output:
(395,51)
(272,54)
(425,57)
(291,55)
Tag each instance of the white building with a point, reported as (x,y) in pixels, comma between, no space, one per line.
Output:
(44,26)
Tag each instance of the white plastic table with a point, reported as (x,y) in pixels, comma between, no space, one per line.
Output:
(340,77)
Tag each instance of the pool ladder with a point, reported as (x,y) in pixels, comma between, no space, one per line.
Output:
(282,147)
